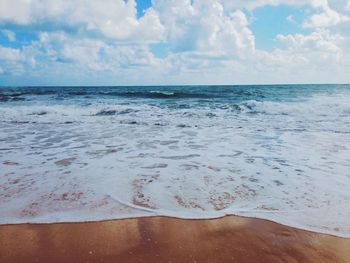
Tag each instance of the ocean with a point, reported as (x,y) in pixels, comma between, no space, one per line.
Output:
(277,152)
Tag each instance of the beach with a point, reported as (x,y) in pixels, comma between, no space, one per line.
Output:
(164,239)
(134,160)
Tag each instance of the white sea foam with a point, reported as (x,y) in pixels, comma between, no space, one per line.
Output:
(284,161)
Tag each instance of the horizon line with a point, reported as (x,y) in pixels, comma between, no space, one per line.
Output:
(169,85)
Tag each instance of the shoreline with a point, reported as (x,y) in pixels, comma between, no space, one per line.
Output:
(166,239)
(311,231)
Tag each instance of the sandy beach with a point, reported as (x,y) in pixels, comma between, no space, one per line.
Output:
(162,239)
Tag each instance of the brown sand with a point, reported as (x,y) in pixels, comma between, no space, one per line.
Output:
(161,239)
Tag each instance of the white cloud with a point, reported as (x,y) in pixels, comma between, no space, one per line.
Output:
(320,50)
(88,55)
(203,26)
(60,58)
(10,54)
(317,54)
(251,4)
(115,19)
(290,19)
(334,4)
(330,12)
(16,11)
(11,36)
(320,40)
(12,61)
(339,5)
(328,17)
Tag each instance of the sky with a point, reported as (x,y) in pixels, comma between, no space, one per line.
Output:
(173,42)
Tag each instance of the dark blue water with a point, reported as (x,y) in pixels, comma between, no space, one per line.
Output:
(169,94)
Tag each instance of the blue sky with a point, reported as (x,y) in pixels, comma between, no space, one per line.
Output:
(144,42)
(269,21)
(142,6)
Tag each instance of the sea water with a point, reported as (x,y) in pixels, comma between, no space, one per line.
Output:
(279,152)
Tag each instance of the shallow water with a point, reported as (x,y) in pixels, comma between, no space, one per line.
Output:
(92,153)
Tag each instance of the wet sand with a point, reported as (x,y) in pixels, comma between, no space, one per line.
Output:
(162,239)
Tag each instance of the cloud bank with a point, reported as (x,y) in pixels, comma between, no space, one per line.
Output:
(112,42)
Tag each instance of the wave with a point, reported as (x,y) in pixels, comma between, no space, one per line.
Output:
(316,108)
(20,94)
(239,93)
(11,97)
(110,112)
(106,113)
(158,94)
(39,113)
